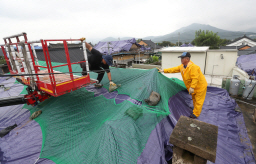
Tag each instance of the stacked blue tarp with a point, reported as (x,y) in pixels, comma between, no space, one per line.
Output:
(143,48)
(247,63)
(115,46)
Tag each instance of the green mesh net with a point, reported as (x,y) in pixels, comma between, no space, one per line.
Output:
(80,128)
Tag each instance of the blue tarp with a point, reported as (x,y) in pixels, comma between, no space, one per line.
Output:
(23,144)
(115,46)
(247,63)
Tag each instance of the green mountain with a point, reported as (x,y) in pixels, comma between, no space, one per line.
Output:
(187,34)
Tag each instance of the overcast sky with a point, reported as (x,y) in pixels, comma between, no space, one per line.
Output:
(98,19)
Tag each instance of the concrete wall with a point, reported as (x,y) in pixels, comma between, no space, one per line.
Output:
(217,65)
(170,59)
(127,57)
(144,66)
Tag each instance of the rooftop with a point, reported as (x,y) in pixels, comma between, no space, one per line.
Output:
(182,49)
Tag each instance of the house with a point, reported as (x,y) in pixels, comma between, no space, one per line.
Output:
(242,47)
(244,40)
(123,51)
(248,51)
(211,62)
(149,43)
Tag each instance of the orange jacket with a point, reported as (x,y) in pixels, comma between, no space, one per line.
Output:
(192,76)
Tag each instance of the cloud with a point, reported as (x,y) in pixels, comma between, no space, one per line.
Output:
(99,19)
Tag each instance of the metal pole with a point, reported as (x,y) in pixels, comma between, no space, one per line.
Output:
(212,73)
(139,57)
(179,40)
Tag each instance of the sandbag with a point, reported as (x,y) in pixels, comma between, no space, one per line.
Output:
(113,87)
(35,115)
(134,112)
(153,99)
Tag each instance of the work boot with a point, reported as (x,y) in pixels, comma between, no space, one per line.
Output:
(193,116)
(98,85)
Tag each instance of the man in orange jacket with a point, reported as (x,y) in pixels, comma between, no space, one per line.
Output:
(194,80)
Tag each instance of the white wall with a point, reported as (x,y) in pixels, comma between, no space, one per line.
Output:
(223,67)
(170,59)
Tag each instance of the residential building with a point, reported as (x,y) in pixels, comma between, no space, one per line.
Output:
(244,40)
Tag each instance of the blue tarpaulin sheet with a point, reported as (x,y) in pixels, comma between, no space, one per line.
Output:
(23,144)
(247,63)
(115,46)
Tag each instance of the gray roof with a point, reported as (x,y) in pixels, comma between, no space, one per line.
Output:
(251,49)
(233,47)
(228,47)
(241,38)
(1,52)
(60,45)
(248,51)
(151,44)
(245,53)
(59,55)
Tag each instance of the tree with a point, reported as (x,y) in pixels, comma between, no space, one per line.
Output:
(138,40)
(2,60)
(207,38)
(224,42)
(166,43)
(178,43)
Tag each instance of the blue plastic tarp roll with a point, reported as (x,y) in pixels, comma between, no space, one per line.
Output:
(247,63)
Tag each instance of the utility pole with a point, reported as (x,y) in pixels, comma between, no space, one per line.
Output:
(179,40)
(108,47)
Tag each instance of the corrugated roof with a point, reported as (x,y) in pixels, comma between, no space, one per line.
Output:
(151,44)
(59,55)
(184,49)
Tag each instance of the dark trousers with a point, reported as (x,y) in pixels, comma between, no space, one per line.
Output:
(100,73)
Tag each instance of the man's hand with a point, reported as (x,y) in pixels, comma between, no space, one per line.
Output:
(191,90)
(112,83)
(159,70)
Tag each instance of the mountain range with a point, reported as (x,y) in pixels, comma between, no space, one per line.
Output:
(187,34)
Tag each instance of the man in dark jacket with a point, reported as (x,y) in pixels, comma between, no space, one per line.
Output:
(98,63)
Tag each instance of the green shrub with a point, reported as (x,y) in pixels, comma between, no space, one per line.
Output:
(2,60)
(152,59)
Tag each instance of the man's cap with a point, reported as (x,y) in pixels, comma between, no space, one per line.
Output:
(108,59)
(185,54)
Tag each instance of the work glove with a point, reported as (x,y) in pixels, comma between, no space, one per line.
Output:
(82,39)
(191,90)
(159,70)
(111,83)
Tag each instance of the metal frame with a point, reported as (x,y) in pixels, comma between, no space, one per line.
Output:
(51,88)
